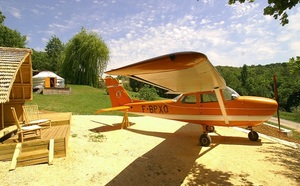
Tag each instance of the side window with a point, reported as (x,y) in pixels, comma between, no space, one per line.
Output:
(189,99)
(209,97)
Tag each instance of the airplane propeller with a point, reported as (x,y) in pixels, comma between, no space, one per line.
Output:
(276,98)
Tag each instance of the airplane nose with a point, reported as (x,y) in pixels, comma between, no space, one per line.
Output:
(268,102)
(261,104)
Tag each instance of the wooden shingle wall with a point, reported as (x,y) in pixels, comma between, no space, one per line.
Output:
(15,82)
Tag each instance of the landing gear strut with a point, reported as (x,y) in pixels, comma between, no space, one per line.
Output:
(252,135)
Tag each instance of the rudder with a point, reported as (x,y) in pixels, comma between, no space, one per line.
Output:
(118,95)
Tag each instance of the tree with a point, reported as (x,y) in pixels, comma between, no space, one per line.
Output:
(86,57)
(135,85)
(276,8)
(244,80)
(54,49)
(148,93)
(9,37)
(294,64)
(2,18)
(39,60)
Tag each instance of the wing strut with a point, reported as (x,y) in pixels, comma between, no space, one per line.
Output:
(221,104)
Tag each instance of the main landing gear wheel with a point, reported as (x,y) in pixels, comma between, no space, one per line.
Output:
(253,136)
(204,140)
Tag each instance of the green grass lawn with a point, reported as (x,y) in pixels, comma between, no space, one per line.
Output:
(83,100)
(288,116)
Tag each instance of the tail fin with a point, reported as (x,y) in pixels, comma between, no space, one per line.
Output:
(118,95)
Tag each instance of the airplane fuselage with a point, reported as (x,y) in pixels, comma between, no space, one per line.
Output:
(242,111)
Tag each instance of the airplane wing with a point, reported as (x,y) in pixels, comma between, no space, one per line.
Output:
(177,72)
(112,109)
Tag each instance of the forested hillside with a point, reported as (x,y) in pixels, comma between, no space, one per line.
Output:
(258,81)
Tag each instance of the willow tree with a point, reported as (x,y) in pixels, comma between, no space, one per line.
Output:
(86,57)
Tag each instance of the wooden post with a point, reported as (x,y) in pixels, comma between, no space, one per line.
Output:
(2,115)
(51,152)
(14,160)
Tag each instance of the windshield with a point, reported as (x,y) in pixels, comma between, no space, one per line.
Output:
(176,98)
(230,94)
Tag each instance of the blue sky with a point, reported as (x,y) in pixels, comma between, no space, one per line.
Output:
(135,30)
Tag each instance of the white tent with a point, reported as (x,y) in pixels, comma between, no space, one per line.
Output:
(48,79)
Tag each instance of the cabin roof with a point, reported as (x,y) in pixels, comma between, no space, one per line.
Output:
(11,62)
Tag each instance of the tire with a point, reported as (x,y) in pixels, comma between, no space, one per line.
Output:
(204,140)
(253,136)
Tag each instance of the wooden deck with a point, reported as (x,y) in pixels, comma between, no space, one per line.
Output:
(59,131)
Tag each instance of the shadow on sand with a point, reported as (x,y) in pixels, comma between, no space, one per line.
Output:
(287,157)
(171,161)
(108,127)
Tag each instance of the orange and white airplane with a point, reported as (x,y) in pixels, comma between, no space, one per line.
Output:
(204,97)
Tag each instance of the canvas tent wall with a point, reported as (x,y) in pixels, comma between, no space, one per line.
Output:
(15,82)
(48,79)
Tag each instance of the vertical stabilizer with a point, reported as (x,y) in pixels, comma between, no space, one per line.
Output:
(118,95)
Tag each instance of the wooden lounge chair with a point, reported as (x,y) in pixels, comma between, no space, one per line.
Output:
(31,113)
(24,129)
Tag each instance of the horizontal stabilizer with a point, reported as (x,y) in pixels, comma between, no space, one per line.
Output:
(121,108)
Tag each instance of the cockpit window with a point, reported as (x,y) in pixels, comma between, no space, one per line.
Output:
(189,99)
(209,97)
(230,94)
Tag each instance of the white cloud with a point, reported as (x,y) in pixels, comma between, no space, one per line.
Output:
(242,9)
(15,12)
(294,46)
(207,1)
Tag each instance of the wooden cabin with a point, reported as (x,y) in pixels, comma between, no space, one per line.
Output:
(15,82)
(15,89)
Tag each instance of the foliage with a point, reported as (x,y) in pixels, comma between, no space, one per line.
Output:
(148,93)
(296,112)
(293,101)
(86,57)
(275,8)
(135,85)
(39,60)
(9,37)
(259,82)
(54,50)
(295,65)
(2,17)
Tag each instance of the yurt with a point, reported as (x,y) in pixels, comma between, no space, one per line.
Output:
(47,79)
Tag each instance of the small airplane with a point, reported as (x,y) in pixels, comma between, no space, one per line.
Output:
(204,97)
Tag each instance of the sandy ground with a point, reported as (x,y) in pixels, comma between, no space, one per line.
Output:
(159,152)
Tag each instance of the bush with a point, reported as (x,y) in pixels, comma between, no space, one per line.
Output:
(148,93)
